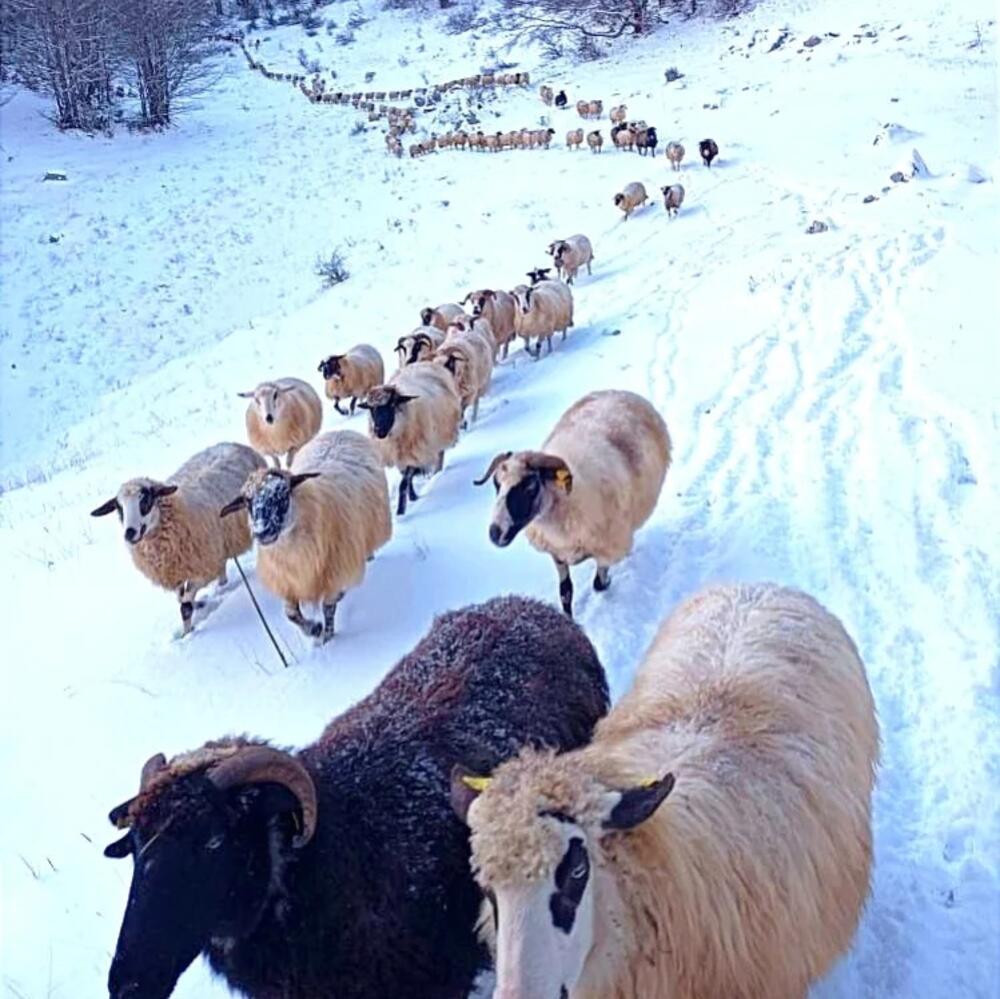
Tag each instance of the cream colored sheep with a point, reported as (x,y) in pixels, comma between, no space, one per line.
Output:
(543,309)
(467,353)
(317,524)
(442,316)
(172,528)
(414,419)
(675,153)
(583,108)
(752,712)
(673,198)
(351,375)
(623,138)
(595,482)
(634,196)
(570,254)
(498,308)
(418,345)
(595,140)
(546,93)
(618,114)
(595,109)
(282,416)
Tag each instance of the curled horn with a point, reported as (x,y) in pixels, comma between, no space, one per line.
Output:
(422,338)
(502,456)
(119,815)
(257,764)
(400,346)
(539,461)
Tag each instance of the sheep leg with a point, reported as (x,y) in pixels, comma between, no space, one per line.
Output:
(410,488)
(565,587)
(506,346)
(403,485)
(354,404)
(336,406)
(475,410)
(294,614)
(602,578)
(440,462)
(329,610)
(186,597)
(290,456)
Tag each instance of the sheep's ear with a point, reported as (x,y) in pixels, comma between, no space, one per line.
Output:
(239,503)
(403,399)
(105,508)
(245,395)
(164,491)
(297,480)
(120,848)
(465,788)
(637,804)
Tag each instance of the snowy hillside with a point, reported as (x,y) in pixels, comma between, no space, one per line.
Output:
(832,399)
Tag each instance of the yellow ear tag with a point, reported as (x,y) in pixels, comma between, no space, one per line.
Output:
(649,781)
(476,783)
(563,478)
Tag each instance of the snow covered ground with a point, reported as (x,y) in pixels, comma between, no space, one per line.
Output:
(832,399)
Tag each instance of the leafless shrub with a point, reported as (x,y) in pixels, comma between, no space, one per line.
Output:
(332,269)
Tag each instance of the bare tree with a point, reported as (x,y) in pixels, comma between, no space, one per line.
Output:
(62,47)
(541,19)
(165,43)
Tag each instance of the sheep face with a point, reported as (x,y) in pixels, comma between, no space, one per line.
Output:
(267,398)
(527,485)
(138,507)
(536,831)
(331,366)
(267,497)
(383,404)
(197,873)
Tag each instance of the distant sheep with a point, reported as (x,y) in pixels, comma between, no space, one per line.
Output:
(418,345)
(498,308)
(317,524)
(570,254)
(282,416)
(351,375)
(632,197)
(467,353)
(561,100)
(722,809)
(618,114)
(340,869)
(673,198)
(574,138)
(675,153)
(442,316)
(543,309)
(623,137)
(172,528)
(646,141)
(709,150)
(595,140)
(594,483)
(414,419)
(534,276)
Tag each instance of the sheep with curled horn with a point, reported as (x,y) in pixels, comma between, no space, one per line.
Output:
(713,840)
(593,484)
(172,528)
(418,345)
(351,375)
(441,316)
(340,869)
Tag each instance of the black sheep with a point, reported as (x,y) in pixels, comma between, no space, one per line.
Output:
(561,99)
(647,139)
(341,871)
(709,150)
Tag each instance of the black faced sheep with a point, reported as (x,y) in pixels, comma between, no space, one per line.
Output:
(341,870)
(709,150)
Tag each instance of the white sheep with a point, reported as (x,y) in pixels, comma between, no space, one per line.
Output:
(673,198)
(282,416)
(632,197)
(543,309)
(595,140)
(570,254)
(594,483)
(467,353)
(317,524)
(351,375)
(752,712)
(419,345)
(675,153)
(442,316)
(499,309)
(172,528)
(414,419)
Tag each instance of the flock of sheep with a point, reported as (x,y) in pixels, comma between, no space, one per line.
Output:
(708,836)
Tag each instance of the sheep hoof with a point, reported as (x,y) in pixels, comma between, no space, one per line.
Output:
(314,629)
(602,580)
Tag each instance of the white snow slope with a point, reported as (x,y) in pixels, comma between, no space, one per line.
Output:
(832,399)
